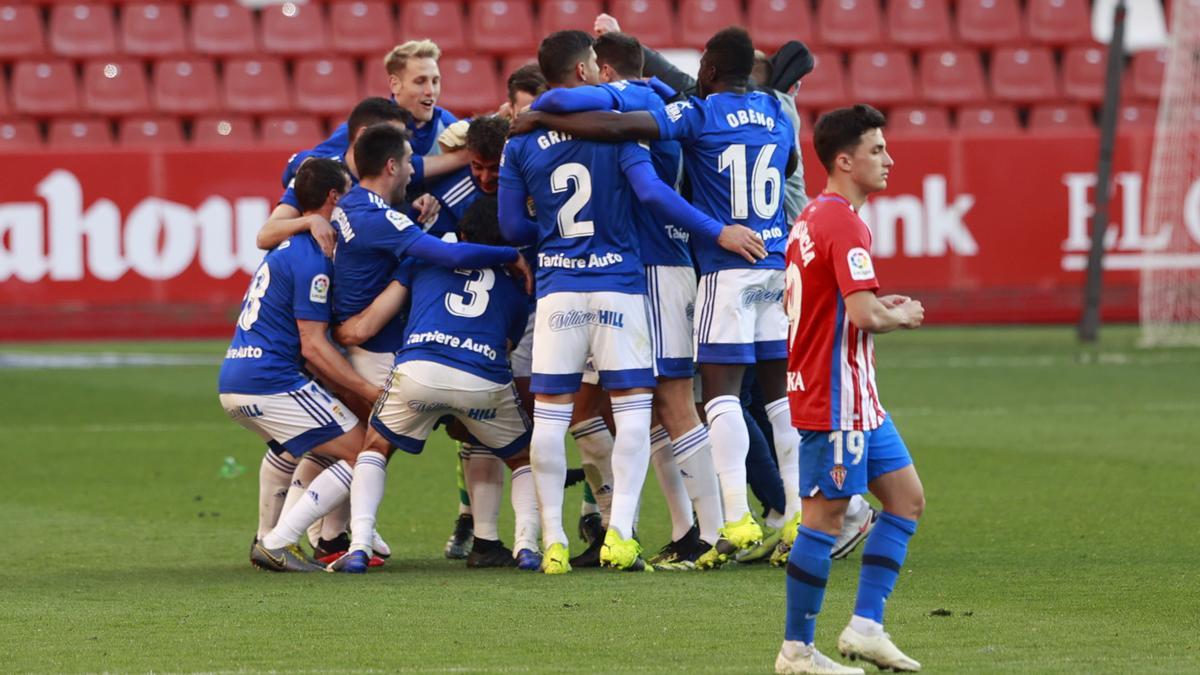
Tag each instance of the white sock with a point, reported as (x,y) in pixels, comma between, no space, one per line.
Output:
(587,508)
(464,461)
(856,505)
(370,481)
(274,478)
(693,455)
(730,442)
(662,457)
(595,443)
(327,491)
(787,451)
(485,479)
(774,519)
(307,469)
(865,626)
(525,508)
(336,522)
(630,458)
(548,458)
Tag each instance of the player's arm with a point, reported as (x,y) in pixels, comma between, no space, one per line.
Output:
(433,166)
(328,362)
(367,323)
(516,228)
(461,255)
(883,315)
(576,99)
(602,126)
(286,220)
(792,164)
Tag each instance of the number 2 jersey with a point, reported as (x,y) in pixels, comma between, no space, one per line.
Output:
(831,363)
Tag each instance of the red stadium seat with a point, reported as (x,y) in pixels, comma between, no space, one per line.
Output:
(223,29)
(988,119)
(326,86)
(256,85)
(774,22)
(1057,118)
(952,76)
(45,88)
(470,85)
(511,63)
(362,28)
(699,19)
(1059,22)
(652,21)
(918,121)
(1024,75)
(1137,116)
(1083,70)
(293,29)
(185,86)
(502,26)
(150,132)
(223,131)
(153,29)
(115,87)
(21,32)
(989,22)
(86,133)
(5,105)
(825,86)
(1147,74)
(849,23)
(438,20)
(556,15)
(882,78)
(17,134)
(919,23)
(80,29)
(291,131)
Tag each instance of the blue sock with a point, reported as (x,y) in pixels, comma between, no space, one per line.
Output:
(762,473)
(807,571)
(882,558)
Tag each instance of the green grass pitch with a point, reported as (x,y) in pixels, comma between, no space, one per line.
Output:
(1060,536)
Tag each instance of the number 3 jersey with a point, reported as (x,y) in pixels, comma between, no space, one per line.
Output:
(291,283)
(462,318)
(831,363)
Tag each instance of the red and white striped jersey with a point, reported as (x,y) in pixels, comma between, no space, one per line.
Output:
(831,363)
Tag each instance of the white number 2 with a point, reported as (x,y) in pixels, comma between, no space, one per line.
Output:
(253,300)
(766,202)
(474,300)
(566,175)
(853,443)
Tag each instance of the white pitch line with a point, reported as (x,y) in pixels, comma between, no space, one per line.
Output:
(32,361)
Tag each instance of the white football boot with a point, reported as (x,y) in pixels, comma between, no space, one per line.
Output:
(877,649)
(796,658)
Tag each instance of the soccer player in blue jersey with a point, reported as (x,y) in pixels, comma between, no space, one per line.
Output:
(456,192)
(591,289)
(738,147)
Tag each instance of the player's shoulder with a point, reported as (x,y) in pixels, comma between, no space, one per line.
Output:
(445,116)
(454,187)
(830,216)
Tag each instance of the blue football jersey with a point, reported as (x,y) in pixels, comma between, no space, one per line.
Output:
(463,319)
(735,152)
(289,192)
(456,193)
(292,282)
(424,138)
(334,147)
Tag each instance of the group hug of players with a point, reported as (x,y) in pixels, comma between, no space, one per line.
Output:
(541,263)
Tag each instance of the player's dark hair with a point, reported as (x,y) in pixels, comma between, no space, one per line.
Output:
(486,136)
(375,110)
(560,52)
(731,52)
(841,130)
(622,52)
(481,223)
(314,180)
(378,144)
(529,79)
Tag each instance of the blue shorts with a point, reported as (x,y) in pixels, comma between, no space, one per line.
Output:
(840,464)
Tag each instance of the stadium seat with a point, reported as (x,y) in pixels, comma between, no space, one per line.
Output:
(293,29)
(882,78)
(1147,75)
(502,26)
(470,85)
(1059,22)
(81,29)
(256,85)
(699,19)
(115,87)
(18,134)
(989,22)
(919,23)
(153,29)
(439,20)
(291,131)
(223,131)
(1083,70)
(652,21)
(1058,118)
(326,86)
(223,29)
(362,28)
(150,132)
(951,76)
(825,86)
(918,121)
(21,33)
(774,22)
(849,23)
(45,88)
(1137,116)
(5,104)
(556,15)
(84,133)
(988,119)
(185,86)
(1024,75)
(511,63)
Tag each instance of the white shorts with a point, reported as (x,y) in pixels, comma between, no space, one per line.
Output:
(612,327)
(419,393)
(740,317)
(671,291)
(298,420)
(521,357)
(374,367)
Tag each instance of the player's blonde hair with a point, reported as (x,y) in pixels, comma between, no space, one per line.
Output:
(397,59)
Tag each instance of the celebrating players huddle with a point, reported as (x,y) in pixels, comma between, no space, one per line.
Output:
(471,281)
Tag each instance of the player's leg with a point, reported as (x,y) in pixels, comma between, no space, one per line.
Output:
(594,440)
(762,471)
(274,478)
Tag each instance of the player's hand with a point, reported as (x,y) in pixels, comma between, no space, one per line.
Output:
(913,313)
(743,241)
(524,123)
(323,232)
(428,207)
(890,301)
(606,24)
(522,272)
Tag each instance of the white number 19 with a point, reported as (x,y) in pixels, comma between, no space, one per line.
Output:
(851,441)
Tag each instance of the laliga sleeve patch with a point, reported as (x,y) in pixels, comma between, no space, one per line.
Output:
(319,290)
(675,110)
(398,219)
(860,264)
